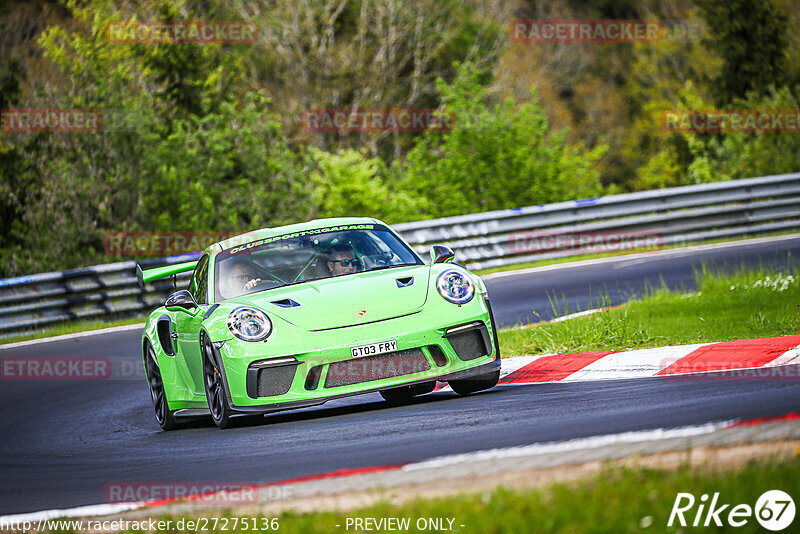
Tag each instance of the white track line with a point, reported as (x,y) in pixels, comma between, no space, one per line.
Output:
(93,510)
(655,254)
(110,330)
(567,446)
(574,315)
(442,461)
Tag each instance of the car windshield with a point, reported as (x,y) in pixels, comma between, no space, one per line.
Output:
(308,255)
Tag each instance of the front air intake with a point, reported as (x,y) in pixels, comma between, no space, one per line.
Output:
(271,378)
(470,341)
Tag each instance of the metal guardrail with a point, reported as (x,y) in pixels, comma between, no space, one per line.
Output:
(679,215)
(31,302)
(685,214)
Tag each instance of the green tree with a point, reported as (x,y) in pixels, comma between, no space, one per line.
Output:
(363,54)
(732,156)
(170,156)
(497,155)
(350,184)
(750,36)
(663,75)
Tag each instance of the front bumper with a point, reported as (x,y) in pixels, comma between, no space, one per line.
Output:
(288,405)
(320,374)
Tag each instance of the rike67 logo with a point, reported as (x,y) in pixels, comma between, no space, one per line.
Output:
(774,510)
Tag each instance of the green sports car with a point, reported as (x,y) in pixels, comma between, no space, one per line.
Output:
(298,315)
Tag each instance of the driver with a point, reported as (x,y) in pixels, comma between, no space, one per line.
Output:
(342,260)
(242,276)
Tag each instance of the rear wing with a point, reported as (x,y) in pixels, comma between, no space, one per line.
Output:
(163,272)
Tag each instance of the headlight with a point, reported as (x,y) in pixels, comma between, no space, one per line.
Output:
(455,287)
(249,324)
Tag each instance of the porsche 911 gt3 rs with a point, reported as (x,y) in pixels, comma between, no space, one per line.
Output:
(295,316)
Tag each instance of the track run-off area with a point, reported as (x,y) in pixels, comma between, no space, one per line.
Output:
(66,442)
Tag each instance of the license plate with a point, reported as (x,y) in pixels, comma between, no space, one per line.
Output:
(374,348)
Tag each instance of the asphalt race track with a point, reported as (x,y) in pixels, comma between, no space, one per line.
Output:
(64,441)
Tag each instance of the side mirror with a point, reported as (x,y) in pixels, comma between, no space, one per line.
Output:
(180,301)
(441,254)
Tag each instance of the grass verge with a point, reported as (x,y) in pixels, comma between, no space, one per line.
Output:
(60,329)
(746,304)
(620,499)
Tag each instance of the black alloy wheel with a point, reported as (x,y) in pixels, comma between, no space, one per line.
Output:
(215,386)
(164,416)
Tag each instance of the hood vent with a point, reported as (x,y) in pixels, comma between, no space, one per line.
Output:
(404,282)
(286,303)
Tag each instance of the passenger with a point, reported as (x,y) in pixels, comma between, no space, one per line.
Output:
(342,260)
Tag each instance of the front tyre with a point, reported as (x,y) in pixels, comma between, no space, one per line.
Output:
(164,416)
(215,387)
(478,383)
(406,393)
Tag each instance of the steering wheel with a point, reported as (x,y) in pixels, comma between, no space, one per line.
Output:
(371,261)
(268,276)
(275,282)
